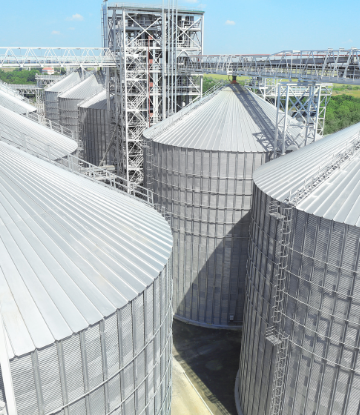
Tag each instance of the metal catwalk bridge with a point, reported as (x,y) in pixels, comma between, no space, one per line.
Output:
(336,66)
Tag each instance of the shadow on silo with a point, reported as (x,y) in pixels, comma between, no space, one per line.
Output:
(218,289)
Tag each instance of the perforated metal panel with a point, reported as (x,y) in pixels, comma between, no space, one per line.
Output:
(68,113)
(208,194)
(52,105)
(321,316)
(52,93)
(122,365)
(69,100)
(93,132)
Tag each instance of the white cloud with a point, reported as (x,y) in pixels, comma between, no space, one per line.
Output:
(76,16)
(230,22)
(191,1)
(55,32)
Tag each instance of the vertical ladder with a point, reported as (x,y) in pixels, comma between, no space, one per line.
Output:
(275,334)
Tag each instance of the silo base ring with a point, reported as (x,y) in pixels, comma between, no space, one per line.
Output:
(236,393)
(207,325)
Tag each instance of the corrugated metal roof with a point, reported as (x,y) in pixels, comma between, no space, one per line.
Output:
(97,102)
(90,86)
(335,198)
(15,104)
(71,250)
(15,127)
(234,119)
(64,84)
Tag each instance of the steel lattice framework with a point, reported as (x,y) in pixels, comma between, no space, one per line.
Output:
(60,57)
(152,57)
(336,66)
(47,80)
(148,42)
(304,101)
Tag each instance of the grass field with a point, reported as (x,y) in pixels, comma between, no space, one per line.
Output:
(225,77)
(353,93)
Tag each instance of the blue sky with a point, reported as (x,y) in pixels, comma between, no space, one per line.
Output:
(231,26)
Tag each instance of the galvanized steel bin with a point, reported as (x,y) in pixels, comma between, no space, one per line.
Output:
(51,94)
(307,360)
(87,313)
(69,100)
(94,129)
(199,164)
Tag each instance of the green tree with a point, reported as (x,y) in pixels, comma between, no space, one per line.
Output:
(19,76)
(342,111)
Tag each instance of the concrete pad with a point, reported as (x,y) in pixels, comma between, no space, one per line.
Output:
(185,400)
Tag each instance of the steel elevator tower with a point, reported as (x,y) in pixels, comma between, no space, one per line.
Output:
(147,42)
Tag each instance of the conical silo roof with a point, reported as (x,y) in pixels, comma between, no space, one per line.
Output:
(97,102)
(71,250)
(90,86)
(15,104)
(14,128)
(234,119)
(65,83)
(321,179)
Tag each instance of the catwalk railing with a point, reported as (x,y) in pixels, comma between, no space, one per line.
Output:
(52,125)
(44,77)
(12,91)
(337,162)
(56,156)
(336,66)
(25,87)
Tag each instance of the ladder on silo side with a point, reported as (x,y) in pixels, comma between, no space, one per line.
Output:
(274,334)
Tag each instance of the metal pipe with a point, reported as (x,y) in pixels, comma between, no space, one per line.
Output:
(285,119)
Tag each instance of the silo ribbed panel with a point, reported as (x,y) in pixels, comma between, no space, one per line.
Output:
(52,93)
(209,195)
(69,100)
(322,284)
(200,168)
(86,290)
(93,131)
(15,104)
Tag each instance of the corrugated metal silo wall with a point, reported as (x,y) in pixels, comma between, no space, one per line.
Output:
(321,316)
(68,113)
(209,195)
(52,106)
(120,366)
(92,133)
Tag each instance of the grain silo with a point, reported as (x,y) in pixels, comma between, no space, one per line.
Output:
(51,94)
(85,294)
(15,104)
(93,129)
(300,347)
(199,164)
(69,100)
(36,138)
